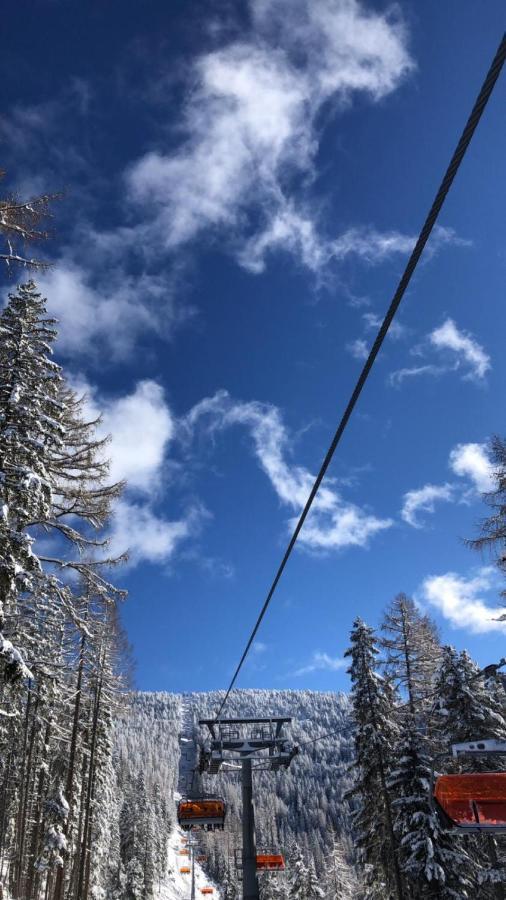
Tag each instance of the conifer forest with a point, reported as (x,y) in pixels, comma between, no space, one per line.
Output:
(94,773)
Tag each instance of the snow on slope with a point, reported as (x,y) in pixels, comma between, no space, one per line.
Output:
(178,886)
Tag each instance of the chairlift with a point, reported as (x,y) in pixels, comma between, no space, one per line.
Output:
(270,862)
(471,801)
(203,812)
(207,890)
(201,858)
(183,852)
(185,870)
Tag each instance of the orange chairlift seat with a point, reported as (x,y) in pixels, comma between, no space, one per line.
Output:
(472,801)
(183,852)
(185,870)
(268,862)
(207,890)
(205,812)
(201,857)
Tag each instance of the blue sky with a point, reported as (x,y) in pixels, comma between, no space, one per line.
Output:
(243,184)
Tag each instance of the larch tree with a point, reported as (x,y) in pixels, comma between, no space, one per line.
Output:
(21,224)
(412,651)
(493,528)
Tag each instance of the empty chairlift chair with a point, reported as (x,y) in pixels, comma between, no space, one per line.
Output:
(185,870)
(472,801)
(270,862)
(203,812)
(207,890)
(201,858)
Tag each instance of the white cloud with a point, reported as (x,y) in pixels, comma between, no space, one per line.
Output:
(322,661)
(423,500)
(471,461)
(333,522)
(373,322)
(108,315)
(148,537)
(461,600)
(142,427)
(466,349)
(358,349)
(250,125)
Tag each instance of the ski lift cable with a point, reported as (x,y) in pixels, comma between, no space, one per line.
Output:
(430,221)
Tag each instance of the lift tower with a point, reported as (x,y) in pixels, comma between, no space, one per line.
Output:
(243,741)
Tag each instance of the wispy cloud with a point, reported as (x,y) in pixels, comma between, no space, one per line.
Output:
(423,500)
(472,461)
(358,349)
(373,322)
(456,351)
(461,601)
(333,523)
(396,378)
(322,661)
(250,123)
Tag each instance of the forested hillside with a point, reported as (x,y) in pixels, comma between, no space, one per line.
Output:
(303,805)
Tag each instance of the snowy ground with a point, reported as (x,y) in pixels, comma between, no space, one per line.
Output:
(177,886)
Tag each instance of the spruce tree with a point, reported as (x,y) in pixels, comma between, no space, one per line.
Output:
(468,707)
(373,702)
(341,879)
(435,863)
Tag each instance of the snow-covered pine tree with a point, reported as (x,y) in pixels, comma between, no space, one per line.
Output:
(412,651)
(341,880)
(374,703)
(468,707)
(314,887)
(229,887)
(30,425)
(435,863)
(52,477)
(299,874)
(493,528)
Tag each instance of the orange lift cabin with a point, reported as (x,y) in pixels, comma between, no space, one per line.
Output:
(185,870)
(207,890)
(472,801)
(203,812)
(270,862)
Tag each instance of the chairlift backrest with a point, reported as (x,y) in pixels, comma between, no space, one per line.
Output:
(472,801)
(270,862)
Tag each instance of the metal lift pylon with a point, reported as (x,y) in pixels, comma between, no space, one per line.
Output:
(264,743)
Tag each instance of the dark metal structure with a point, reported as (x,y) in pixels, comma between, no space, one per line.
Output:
(245,741)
